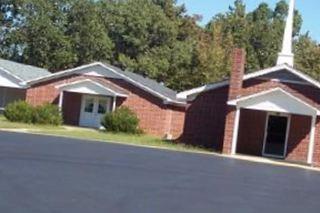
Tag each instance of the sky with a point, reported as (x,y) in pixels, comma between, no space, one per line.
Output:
(208,8)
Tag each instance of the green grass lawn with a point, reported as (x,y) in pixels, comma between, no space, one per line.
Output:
(96,135)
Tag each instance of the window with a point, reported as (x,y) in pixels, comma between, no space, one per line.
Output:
(89,103)
(102,106)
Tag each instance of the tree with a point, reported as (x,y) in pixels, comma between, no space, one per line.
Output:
(9,19)
(136,26)
(260,32)
(214,55)
(89,37)
(307,56)
(40,34)
(155,38)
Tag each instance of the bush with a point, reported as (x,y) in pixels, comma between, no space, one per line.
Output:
(19,111)
(121,120)
(47,114)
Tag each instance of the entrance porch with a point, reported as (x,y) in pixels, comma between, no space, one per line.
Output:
(274,124)
(85,102)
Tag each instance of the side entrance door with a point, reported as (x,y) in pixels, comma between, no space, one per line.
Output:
(276,136)
(92,110)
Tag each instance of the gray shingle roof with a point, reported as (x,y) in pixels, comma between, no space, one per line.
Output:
(147,82)
(110,71)
(283,75)
(22,71)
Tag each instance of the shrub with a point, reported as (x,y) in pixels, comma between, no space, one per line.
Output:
(19,111)
(121,120)
(47,114)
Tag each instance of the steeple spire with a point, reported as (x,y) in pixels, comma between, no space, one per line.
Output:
(286,56)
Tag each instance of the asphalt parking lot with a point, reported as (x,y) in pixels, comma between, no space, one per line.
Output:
(51,174)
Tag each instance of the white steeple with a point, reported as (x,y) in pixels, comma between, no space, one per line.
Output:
(286,56)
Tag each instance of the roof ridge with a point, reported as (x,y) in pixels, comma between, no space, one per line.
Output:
(248,76)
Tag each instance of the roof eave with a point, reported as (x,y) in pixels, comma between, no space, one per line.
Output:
(70,71)
(256,74)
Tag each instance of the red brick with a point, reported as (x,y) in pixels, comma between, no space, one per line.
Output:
(156,118)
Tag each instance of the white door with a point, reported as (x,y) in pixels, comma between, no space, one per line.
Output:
(92,110)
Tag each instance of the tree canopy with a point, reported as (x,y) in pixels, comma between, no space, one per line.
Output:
(155,38)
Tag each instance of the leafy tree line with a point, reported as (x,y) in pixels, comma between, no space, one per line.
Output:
(155,38)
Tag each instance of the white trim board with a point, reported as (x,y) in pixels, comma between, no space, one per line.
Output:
(89,87)
(9,80)
(276,100)
(9,73)
(166,99)
(285,151)
(214,86)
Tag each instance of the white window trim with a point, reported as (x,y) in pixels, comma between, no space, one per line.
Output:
(288,116)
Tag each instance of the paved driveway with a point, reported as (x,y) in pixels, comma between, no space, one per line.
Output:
(40,174)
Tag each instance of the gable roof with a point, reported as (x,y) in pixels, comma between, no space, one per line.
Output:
(283,67)
(22,72)
(151,86)
(89,86)
(277,100)
(147,82)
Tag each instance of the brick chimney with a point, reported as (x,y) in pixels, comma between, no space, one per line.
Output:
(237,73)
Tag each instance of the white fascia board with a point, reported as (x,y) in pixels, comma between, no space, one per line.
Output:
(214,86)
(166,99)
(265,71)
(59,74)
(242,100)
(9,80)
(9,73)
(304,76)
(69,71)
(185,94)
(70,85)
(175,103)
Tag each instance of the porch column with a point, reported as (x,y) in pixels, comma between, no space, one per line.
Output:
(235,132)
(60,100)
(114,103)
(312,139)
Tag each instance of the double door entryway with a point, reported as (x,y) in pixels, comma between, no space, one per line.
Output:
(276,135)
(93,108)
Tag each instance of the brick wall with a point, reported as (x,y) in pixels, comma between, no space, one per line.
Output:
(234,91)
(299,138)
(205,119)
(177,121)
(316,156)
(309,94)
(251,132)
(153,114)
(155,117)
(228,131)
(209,113)
(237,73)
(71,108)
